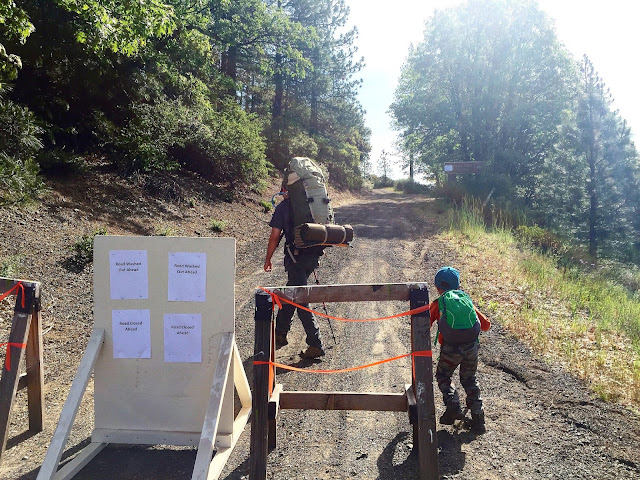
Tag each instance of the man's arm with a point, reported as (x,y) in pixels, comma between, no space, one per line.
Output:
(274,240)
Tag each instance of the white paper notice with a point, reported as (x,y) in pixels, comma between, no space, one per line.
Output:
(183,337)
(131,331)
(128,274)
(187,277)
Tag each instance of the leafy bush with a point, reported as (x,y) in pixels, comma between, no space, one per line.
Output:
(411,186)
(537,237)
(60,162)
(382,182)
(223,145)
(10,267)
(217,225)
(83,247)
(19,181)
(266,206)
(165,231)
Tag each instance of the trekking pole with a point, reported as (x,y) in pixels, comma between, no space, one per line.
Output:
(326,312)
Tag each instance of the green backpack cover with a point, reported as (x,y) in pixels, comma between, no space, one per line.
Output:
(458,321)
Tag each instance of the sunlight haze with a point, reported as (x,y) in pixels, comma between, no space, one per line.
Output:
(606,31)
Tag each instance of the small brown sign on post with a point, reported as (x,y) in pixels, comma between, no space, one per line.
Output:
(462,168)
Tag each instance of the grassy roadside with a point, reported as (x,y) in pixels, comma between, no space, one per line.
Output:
(581,320)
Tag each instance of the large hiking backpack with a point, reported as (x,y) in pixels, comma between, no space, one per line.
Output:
(458,319)
(313,219)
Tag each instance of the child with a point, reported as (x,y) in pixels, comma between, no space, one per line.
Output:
(459,324)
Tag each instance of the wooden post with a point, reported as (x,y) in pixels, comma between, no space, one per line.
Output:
(35,371)
(10,378)
(260,410)
(423,388)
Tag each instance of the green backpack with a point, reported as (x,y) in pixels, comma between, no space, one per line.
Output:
(458,321)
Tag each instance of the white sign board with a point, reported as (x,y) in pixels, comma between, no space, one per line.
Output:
(183,337)
(164,303)
(131,333)
(128,273)
(187,277)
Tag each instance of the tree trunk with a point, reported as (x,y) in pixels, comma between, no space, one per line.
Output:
(279,89)
(411,166)
(231,67)
(593,209)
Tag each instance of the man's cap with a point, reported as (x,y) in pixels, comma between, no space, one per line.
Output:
(447,278)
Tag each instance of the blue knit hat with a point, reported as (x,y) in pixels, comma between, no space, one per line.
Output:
(447,278)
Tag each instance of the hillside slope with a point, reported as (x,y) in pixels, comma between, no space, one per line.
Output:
(542,422)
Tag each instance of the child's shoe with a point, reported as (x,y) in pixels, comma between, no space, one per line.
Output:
(451,414)
(477,422)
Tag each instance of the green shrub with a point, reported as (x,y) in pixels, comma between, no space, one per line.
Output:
(83,247)
(411,186)
(537,237)
(165,231)
(60,162)
(10,267)
(217,225)
(266,206)
(19,181)
(223,145)
(382,182)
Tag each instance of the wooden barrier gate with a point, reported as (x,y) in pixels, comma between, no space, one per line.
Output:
(26,334)
(417,399)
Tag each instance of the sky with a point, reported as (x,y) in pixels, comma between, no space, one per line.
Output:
(607,31)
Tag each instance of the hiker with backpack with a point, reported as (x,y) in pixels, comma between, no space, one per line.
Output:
(299,265)
(305,218)
(459,325)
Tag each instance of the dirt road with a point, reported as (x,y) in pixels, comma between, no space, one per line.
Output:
(541,422)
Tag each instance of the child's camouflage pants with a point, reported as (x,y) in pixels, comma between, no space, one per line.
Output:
(466,356)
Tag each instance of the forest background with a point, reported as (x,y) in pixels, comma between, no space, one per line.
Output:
(231,90)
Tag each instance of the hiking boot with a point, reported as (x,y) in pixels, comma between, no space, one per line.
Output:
(450,415)
(312,352)
(281,340)
(477,422)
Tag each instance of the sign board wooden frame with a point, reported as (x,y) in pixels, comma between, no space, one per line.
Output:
(148,398)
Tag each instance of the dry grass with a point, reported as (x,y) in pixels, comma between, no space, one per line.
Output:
(562,317)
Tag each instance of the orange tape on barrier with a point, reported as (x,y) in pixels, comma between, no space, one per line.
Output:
(276,300)
(16,287)
(425,353)
(7,359)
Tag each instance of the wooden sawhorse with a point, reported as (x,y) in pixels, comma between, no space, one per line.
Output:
(26,334)
(417,399)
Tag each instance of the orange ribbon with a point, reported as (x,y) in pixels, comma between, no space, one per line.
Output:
(7,358)
(16,287)
(425,353)
(277,300)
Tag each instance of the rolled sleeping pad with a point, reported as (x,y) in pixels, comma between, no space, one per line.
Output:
(310,234)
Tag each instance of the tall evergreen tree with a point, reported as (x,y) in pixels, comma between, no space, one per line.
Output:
(487,83)
(592,186)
